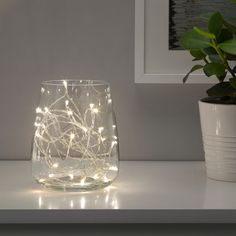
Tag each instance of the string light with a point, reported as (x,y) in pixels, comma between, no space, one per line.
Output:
(75,131)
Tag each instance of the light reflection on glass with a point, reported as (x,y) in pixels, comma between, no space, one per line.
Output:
(105,198)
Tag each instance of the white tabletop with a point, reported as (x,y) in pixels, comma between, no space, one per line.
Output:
(145,191)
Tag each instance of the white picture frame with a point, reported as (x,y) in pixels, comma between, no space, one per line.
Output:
(168,76)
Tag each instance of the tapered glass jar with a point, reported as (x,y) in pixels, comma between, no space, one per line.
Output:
(75,143)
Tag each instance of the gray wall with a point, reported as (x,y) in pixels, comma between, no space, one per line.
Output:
(49,39)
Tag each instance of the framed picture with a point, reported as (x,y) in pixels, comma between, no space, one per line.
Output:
(159,57)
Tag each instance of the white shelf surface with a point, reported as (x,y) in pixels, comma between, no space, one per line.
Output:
(144,192)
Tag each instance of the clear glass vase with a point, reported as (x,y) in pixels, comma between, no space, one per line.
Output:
(75,144)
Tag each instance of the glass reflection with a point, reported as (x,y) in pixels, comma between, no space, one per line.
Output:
(106,198)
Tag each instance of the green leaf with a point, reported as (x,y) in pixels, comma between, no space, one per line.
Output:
(229,46)
(224,35)
(230,27)
(221,90)
(209,51)
(194,68)
(197,54)
(215,58)
(204,33)
(214,69)
(192,40)
(215,23)
(233,82)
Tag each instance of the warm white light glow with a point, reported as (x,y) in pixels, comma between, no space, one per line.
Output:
(65,84)
(71,176)
(114,168)
(40,201)
(95,110)
(95,176)
(84,129)
(41,180)
(82,181)
(38,110)
(100,129)
(82,203)
(71,204)
(66,102)
(55,165)
(73,141)
(106,179)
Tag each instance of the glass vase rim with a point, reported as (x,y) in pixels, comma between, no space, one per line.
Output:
(74,82)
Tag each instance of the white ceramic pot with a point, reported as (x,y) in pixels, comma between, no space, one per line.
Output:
(218,123)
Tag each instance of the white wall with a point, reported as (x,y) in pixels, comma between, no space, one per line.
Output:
(49,39)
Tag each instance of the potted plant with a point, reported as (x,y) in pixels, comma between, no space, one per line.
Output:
(214,51)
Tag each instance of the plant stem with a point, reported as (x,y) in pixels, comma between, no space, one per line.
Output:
(223,59)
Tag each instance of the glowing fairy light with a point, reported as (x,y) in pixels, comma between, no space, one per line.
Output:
(41,180)
(70,113)
(95,110)
(113,168)
(46,109)
(66,130)
(36,124)
(71,176)
(82,181)
(66,102)
(95,176)
(38,110)
(42,90)
(100,129)
(113,143)
(105,179)
(84,129)
(55,165)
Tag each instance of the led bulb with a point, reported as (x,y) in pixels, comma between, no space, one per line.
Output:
(69,113)
(38,110)
(95,110)
(100,129)
(55,165)
(72,136)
